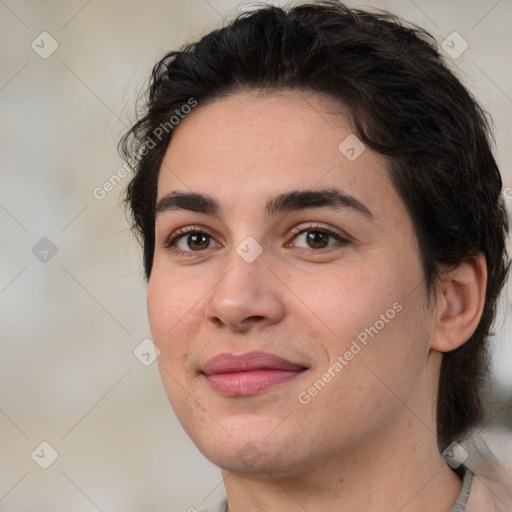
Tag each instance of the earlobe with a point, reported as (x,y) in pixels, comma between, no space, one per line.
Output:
(460,304)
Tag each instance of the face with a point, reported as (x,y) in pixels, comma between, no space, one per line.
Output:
(286,296)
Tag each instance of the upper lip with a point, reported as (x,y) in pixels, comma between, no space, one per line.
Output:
(231,363)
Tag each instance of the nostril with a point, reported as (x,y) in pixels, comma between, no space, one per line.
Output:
(217,321)
(255,317)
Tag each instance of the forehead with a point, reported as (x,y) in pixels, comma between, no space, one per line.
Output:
(248,147)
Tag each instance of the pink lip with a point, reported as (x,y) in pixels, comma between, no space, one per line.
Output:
(248,374)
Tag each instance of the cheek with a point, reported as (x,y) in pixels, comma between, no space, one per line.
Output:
(173,306)
(385,348)
(378,306)
(172,317)
(347,300)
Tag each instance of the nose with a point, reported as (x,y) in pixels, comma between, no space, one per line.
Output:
(247,296)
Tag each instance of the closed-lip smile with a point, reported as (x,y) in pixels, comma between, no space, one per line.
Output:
(248,373)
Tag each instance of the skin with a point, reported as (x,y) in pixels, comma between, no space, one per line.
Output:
(372,427)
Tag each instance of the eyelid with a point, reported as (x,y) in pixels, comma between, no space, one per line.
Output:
(185,230)
(316,226)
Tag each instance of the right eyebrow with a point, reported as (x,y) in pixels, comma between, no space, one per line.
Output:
(304,199)
(187,201)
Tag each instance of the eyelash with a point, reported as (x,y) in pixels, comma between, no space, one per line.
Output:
(180,233)
(318,228)
(200,230)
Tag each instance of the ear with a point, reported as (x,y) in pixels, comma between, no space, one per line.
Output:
(460,303)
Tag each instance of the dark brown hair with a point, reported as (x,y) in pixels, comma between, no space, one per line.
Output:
(403,102)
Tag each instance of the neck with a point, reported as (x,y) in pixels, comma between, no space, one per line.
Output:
(399,472)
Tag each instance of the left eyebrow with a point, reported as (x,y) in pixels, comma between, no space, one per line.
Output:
(302,199)
(187,201)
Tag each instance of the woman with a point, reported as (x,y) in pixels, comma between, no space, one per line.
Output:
(324,243)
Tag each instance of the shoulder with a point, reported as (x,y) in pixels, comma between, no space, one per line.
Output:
(486,499)
(219,506)
(489,458)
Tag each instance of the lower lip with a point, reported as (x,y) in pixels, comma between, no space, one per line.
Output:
(250,382)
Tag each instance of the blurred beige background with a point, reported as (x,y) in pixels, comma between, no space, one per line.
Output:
(72,295)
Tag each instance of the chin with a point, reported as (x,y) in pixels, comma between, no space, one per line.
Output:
(249,459)
(247,447)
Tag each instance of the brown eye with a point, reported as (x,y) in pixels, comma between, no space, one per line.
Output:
(317,239)
(191,241)
(198,241)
